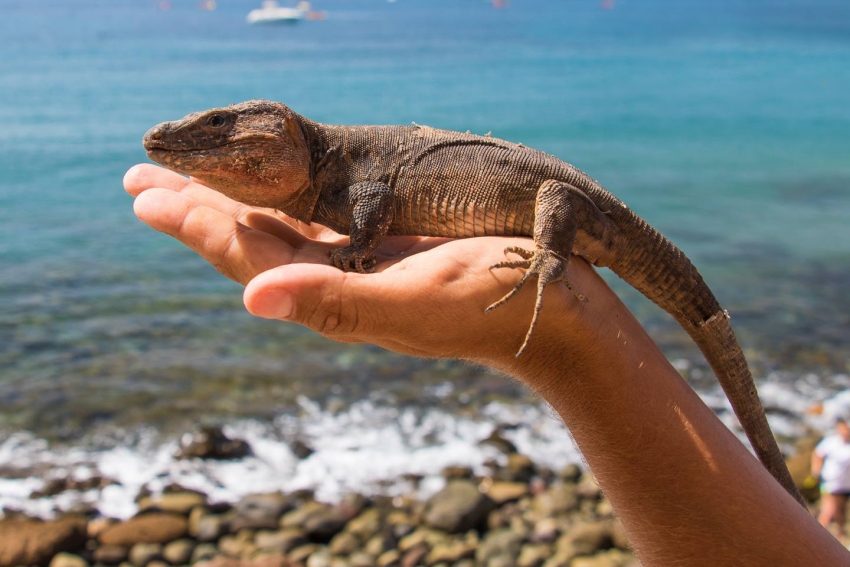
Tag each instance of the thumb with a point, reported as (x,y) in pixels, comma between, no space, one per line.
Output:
(336,304)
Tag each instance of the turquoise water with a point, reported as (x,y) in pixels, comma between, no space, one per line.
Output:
(726,126)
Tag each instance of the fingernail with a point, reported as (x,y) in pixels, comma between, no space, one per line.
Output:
(275,304)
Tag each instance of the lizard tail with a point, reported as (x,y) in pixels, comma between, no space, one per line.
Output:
(649,262)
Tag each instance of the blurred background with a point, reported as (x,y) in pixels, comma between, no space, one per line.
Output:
(724,124)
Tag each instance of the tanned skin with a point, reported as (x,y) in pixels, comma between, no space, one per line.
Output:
(372,181)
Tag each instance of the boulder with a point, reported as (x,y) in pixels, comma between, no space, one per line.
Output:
(259,511)
(174,502)
(26,542)
(300,449)
(458,507)
(148,528)
(212,443)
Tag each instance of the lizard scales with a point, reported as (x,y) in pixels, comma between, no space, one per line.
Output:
(371,181)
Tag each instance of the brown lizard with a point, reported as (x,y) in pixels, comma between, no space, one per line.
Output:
(372,181)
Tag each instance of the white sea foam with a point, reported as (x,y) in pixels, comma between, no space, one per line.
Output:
(367,448)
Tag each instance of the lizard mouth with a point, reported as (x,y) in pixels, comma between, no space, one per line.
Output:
(156,140)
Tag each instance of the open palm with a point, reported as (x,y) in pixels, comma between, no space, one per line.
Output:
(427,296)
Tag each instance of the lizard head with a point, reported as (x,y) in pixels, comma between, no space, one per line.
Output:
(254,152)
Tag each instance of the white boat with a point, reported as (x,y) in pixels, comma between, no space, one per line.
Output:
(270,12)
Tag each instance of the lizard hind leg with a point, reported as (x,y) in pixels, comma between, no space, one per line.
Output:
(549,268)
(555,228)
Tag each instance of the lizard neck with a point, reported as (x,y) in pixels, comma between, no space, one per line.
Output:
(340,156)
(303,208)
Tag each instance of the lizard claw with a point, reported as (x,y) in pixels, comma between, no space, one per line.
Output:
(349,259)
(548,267)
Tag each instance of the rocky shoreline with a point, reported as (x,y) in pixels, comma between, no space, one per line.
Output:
(518,514)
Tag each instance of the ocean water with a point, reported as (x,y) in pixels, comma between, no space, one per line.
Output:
(724,125)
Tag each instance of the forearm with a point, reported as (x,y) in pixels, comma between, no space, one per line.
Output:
(686,489)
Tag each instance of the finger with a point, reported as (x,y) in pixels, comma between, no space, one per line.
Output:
(287,229)
(318,297)
(145,175)
(396,309)
(336,304)
(236,250)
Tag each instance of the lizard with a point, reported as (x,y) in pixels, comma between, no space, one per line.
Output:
(368,182)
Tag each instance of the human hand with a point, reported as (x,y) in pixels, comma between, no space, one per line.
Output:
(427,295)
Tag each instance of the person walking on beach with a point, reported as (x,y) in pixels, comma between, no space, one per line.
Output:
(831,463)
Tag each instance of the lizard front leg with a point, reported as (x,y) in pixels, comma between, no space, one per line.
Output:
(369,205)
(555,228)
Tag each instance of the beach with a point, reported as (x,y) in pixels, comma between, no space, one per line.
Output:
(516,513)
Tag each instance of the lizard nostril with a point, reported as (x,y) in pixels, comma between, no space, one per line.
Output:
(156,135)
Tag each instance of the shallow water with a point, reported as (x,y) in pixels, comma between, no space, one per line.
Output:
(724,125)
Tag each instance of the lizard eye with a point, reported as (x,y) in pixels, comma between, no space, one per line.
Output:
(216,120)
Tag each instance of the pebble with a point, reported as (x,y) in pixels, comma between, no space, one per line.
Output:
(503,492)
(534,555)
(499,544)
(344,543)
(63,559)
(520,468)
(207,527)
(110,554)
(203,552)
(389,558)
(178,552)
(302,552)
(143,553)
(280,540)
